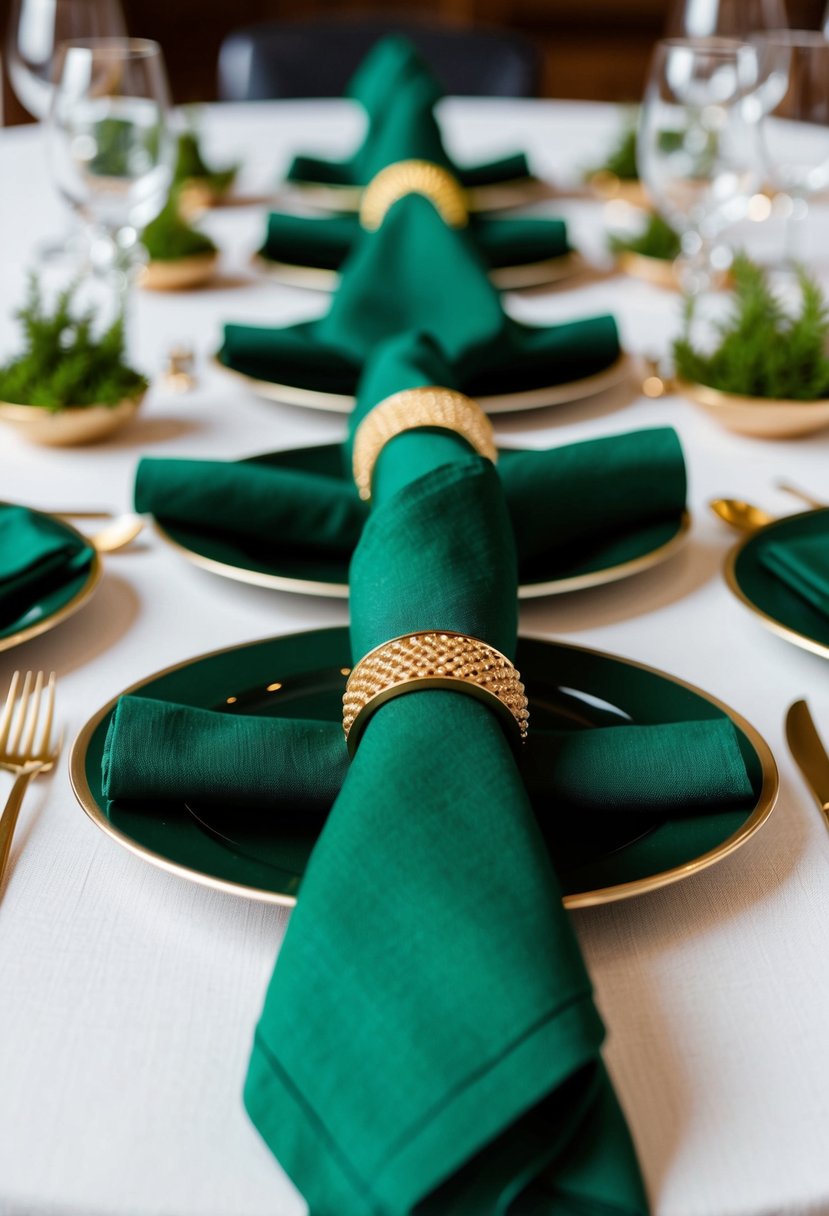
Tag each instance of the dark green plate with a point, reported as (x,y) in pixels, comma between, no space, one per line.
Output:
(55,603)
(250,561)
(778,607)
(568,686)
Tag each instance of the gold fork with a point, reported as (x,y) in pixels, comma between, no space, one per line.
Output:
(24,750)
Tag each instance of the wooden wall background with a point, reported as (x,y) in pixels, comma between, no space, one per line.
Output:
(592,48)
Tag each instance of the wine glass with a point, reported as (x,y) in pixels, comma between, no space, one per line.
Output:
(35,31)
(698,150)
(795,131)
(724,18)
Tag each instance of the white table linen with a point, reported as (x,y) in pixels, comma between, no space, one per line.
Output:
(128,996)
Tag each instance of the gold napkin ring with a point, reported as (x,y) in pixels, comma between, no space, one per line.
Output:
(433,660)
(413,177)
(417,408)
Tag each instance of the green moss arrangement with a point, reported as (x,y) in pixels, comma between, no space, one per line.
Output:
(656,240)
(63,363)
(763,351)
(191,166)
(169,236)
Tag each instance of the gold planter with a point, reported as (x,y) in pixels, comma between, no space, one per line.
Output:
(659,272)
(73,425)
(762,417)
(179,274)
(608,187)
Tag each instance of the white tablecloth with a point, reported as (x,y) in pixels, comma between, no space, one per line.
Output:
(128,996)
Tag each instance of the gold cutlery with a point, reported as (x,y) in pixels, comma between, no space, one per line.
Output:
(26,746)
(117,535)
(743,516)
(810,501)
(808,750)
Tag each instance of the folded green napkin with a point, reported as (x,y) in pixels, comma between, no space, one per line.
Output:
(163,752)
(37,554)
(326,242)
(428,1041)
(415,273)
(398,93)
(803,565)
(601,490)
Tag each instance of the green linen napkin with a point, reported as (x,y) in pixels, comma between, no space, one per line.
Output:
(803,565)
(600,490)
(37,554)
(416,273)
(159,751)
(428,1041)
(398,93)
(325,242)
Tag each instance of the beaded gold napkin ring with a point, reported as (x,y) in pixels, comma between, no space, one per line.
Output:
(413,409)
(434,659)
(413,177)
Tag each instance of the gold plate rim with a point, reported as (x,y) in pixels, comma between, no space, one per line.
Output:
(521,276)
(506,403)
(771,623)
(497,196)
(766,799)
(78,600)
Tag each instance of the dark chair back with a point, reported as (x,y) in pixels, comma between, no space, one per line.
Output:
(318,58)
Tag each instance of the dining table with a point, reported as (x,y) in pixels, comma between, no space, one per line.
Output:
(129,996)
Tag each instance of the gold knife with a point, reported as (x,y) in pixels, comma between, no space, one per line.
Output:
(810,754)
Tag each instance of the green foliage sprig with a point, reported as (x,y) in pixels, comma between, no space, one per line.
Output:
(656,240)
(191,166)
(63,363)
(169,236)
(763,351)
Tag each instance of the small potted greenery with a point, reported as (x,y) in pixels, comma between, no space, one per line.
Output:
(617,177)
(68,386)
(199,186)
(768,374)
(649,253)
(179,256)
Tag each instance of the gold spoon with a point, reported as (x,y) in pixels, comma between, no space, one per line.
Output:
(117,535)
(740,515)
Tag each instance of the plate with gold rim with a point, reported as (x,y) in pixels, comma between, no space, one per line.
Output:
(522,276)
(504,403)
(496,196)
(776,606)
(53,605)
(609,559)
(303,675)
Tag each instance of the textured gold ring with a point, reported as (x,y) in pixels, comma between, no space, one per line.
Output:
(418,661)
(413,177)
(415,409)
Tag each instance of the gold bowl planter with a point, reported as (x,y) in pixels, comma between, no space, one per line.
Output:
(762,417)
(73,425)
(179,274)
(608,187)
(659,272)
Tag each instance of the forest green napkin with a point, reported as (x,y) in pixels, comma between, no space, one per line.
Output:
(326,242)
(803,565)
(159,751)
(37,554)
(428,1041)
(602,491)
(416,273)
(398,92)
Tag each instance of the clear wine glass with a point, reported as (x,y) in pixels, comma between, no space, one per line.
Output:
(795,131)
(109,143)
(724,18)
(37,28)
(698,149)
